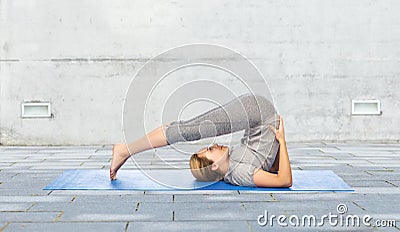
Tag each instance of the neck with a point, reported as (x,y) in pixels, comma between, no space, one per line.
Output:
(224,163)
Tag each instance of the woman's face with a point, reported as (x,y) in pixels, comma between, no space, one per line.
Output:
(214,152)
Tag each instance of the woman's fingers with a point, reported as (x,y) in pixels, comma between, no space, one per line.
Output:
(273,129)
(280,128)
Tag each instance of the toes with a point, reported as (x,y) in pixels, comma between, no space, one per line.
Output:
(113,175)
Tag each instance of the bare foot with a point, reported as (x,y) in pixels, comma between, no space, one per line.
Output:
(120,154)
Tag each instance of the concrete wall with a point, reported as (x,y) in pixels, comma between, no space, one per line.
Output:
(81,56)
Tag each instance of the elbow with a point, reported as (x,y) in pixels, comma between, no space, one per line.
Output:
(290,182)
(287,183)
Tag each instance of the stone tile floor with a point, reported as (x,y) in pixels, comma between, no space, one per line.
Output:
(373,170)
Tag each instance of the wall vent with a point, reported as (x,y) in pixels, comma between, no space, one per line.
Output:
(36,110)
(366,107)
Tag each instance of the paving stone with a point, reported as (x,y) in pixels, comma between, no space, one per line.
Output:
(68,226)
(384,172)
(94,193)
(31,171)
(34,198)
(60,167)
(361,168)
(369,183)
(33,185)
(14,161)
(3,225)
(14,206)
(380,190)
(5,164)
(102,156)
(391,166)
(342,161)
(340,154)
(28,216)
(22,147)
(382,206)
(24,192)
(125,198)
(329,149)
(112,212)
(326,227)
(304,149)
(155,211)
(69,154)
(29,176)
(304,197)
(36,159)
(51,206)
(320,165)
(11,151)
(95,166)
(223,198)
(373,153)
(65,150)
(378,146)
(385,162)
(314,158)
(4,175)
(386,175)
(21,165)
(374,166)
(395,182)
(189,226)
(208,211)
(358,176)
(106,211)
(63,163)
(388,229)
(194,192)
(94,163)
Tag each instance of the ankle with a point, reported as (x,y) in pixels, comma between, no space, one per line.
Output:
(126,151)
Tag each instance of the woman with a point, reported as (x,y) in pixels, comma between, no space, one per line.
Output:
(254,162)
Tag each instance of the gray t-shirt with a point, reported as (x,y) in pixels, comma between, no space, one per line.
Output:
(258,149)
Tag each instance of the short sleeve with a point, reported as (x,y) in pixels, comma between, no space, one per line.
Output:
(241,174)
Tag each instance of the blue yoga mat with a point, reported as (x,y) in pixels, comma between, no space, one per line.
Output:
(303,180)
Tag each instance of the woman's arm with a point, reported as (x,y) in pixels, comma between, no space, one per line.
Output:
(284,176)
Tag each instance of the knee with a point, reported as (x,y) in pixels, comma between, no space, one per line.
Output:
(258,106)
(256,101)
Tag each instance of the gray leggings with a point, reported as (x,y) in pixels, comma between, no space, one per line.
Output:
(258,148)
(242,113)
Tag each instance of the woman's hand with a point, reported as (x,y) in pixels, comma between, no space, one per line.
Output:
(280,132)
(284,177)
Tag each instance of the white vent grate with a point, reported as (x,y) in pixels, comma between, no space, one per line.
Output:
(366,107)
(36,110)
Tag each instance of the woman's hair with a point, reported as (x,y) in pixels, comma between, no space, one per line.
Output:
(201,169)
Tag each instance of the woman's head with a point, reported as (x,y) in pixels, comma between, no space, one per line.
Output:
(205,164)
